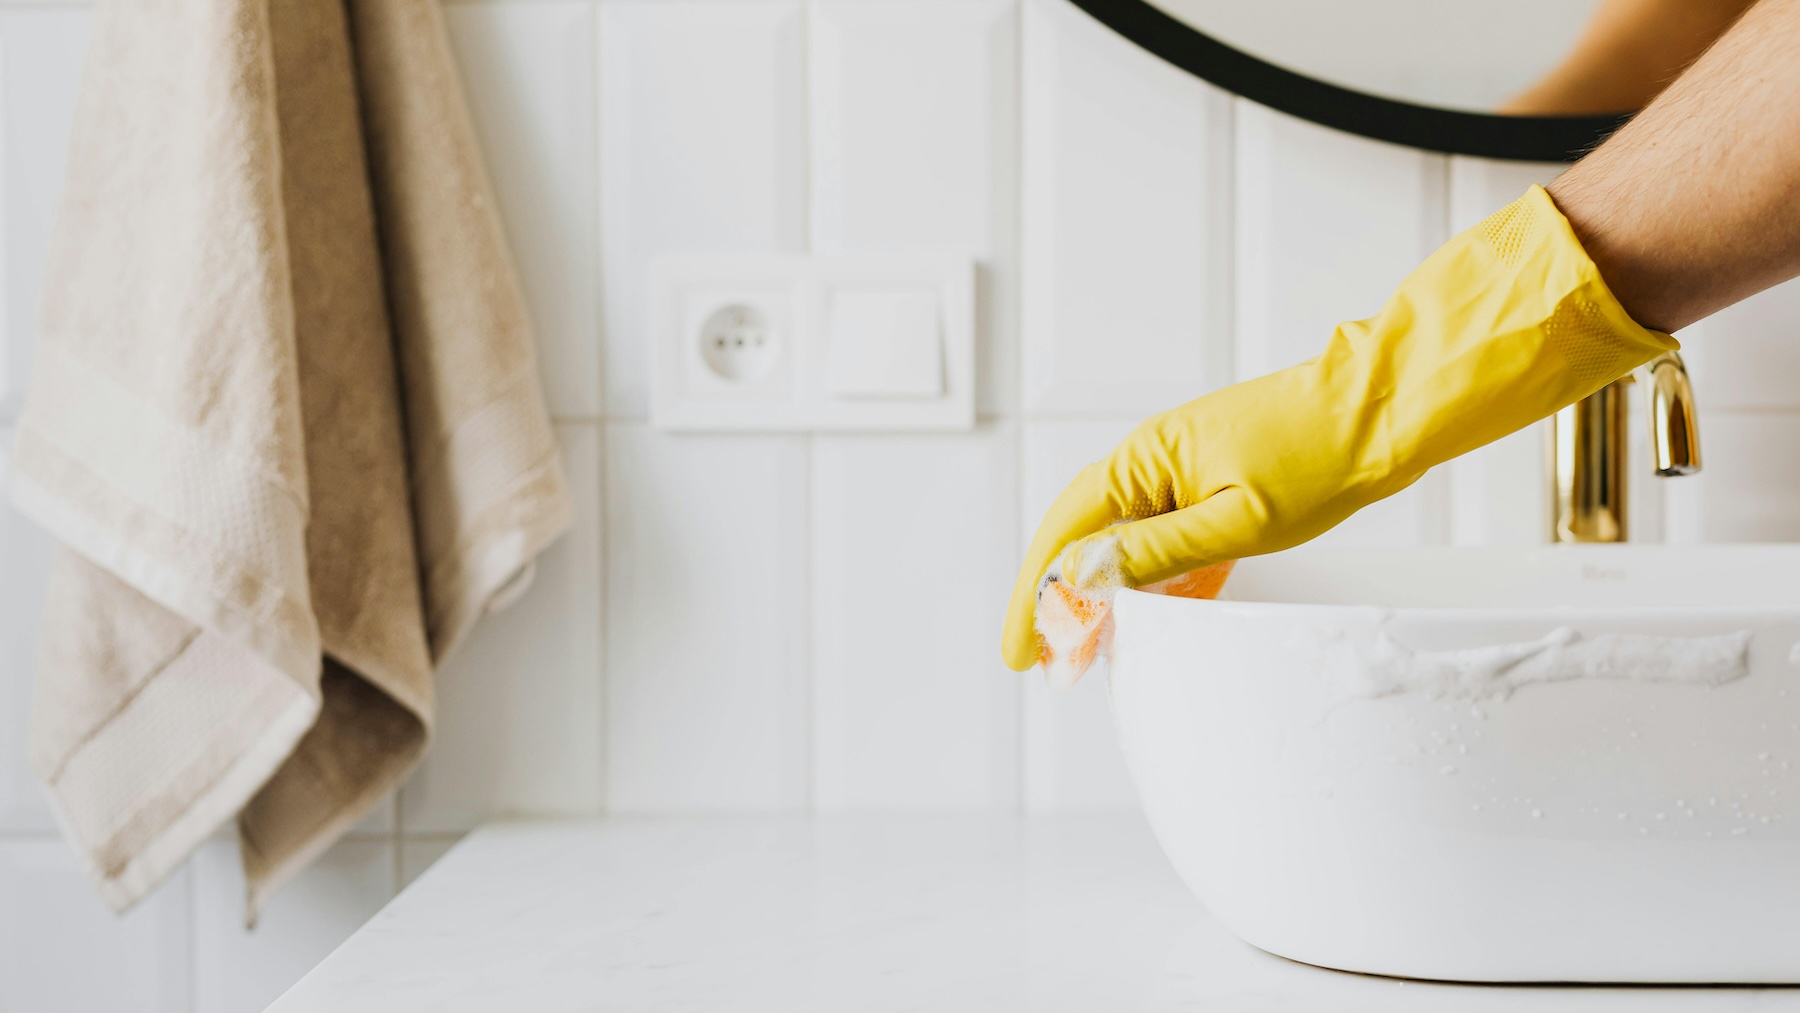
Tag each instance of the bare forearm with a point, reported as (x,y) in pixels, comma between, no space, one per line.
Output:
(1695,204)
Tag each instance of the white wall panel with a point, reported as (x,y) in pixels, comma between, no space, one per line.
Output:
(1747,492)
(1126,222)
(702,150)
(1071,752)
(239,970)
(914,550)
(421,853)
(25,555)
(528,71)
(706,615)
(931,166)
(63,951)
(41,54)
(1327,225)
(1746,356)
(519,704)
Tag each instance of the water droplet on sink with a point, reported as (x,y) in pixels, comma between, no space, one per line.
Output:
(1448,768)
(1662,816)
(1537,814)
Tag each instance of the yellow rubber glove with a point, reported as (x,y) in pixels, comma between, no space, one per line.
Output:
(1503,326)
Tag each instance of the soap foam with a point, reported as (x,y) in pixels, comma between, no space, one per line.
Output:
(1562,655)
(1074,609)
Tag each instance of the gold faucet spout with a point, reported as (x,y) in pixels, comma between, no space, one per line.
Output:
(1674,430)
(1588,443)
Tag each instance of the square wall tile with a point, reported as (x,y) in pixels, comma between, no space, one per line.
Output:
(1745,356)
(239,970)
(519,705)
(929,166)
(914,551)
(62,950)
(1328,224)
(42,50)
(1127,241)
(1481,186)
(1500,494)
(1749,490)
(529,73)
(702,150)
(706,617)
(25,556)
(418,854)
(1420,514)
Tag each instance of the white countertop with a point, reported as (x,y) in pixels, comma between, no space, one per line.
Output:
(854,913)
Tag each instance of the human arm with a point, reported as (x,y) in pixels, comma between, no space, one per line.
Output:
(1693,206)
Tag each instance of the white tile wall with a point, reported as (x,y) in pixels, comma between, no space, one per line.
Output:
(529,74)
(1745,357)
(519,704)
(932,166)
(706,620)
(1748,490)
(25,554)
(702,150)
(63,951)
(717,633)
(1126,222)
(40,64)
(914,549)
(241,970)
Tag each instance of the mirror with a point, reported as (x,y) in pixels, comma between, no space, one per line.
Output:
(1534,80)
(1473,55)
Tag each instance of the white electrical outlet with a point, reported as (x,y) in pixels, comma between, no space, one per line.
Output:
(738,343)
(813,343)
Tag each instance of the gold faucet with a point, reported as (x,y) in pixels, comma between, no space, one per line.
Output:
(1587,450)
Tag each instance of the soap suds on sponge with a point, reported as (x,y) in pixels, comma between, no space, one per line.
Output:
(1074,616)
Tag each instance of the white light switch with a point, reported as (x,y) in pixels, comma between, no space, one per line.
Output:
(862,343)
(884,344)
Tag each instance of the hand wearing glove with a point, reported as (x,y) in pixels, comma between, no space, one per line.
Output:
(1506,324)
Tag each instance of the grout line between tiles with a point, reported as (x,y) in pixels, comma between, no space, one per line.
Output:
(806,655)
(1016,292)
(1021,79)
(602,429)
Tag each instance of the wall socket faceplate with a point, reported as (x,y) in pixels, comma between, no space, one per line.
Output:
(786,344)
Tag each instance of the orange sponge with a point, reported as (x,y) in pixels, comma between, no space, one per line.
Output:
(1074,625)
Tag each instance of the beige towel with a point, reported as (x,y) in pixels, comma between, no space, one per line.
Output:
(285,420)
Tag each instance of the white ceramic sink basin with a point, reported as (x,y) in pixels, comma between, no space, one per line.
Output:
(1342,766)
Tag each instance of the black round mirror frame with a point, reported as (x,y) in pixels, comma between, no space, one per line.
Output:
(1519,138)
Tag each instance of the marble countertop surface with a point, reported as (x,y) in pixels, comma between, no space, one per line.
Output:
(865,913)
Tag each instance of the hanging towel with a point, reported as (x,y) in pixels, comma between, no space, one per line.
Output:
(285,422)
